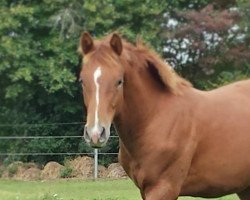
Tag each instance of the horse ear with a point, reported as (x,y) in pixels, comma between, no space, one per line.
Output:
(116,44)
(86,43)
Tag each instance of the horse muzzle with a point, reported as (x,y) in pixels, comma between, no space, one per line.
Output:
(96,136)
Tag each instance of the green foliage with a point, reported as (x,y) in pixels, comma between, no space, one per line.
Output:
(67,170)
(8,160)
(224,78)
(37,77)
(105,160)
(131,18)
(1,172)
(244,6)
(189,4)
(12,169)
(39,63)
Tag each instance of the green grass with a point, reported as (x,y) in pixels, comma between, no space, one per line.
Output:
(74,190)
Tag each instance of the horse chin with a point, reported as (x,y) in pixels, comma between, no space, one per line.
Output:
(97,146)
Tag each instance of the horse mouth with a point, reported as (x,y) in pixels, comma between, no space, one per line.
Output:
(97,146)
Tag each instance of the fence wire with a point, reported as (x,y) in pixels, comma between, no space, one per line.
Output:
(44,137)
(95,152)
(47,137)
(49,154)
(52,154)
(42,124)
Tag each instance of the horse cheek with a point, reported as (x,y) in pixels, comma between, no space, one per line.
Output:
(117,102)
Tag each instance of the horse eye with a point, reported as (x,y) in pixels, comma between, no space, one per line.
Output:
(81,82)
(119,83)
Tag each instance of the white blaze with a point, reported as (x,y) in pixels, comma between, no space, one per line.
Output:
(97,75)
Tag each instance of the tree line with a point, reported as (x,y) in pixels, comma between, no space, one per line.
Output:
(206,41)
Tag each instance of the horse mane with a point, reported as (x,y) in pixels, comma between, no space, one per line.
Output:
(159,69)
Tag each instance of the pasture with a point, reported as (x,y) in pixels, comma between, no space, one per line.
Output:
(74,190)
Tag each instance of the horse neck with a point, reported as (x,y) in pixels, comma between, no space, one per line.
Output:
(141,101)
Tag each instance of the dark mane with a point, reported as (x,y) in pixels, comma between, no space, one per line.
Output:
(159,69)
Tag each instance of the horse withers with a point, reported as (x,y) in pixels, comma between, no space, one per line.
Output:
(175,140)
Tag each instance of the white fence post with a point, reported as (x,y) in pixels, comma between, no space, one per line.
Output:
(96,164)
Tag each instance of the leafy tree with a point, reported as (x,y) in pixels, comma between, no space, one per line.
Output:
(37,73)
(207,45)
(39,63)
(206,40)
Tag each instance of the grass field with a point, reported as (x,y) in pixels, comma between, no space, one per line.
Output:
(74,190)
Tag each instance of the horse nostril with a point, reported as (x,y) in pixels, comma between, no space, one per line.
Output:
(86,135)
(103,135)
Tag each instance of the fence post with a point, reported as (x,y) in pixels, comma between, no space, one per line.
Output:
(96,164)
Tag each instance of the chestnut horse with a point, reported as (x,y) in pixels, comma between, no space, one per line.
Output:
(175,140)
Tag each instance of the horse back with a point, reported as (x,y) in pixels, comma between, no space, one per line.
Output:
(221,161)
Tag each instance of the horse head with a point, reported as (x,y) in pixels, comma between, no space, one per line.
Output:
(102,78)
